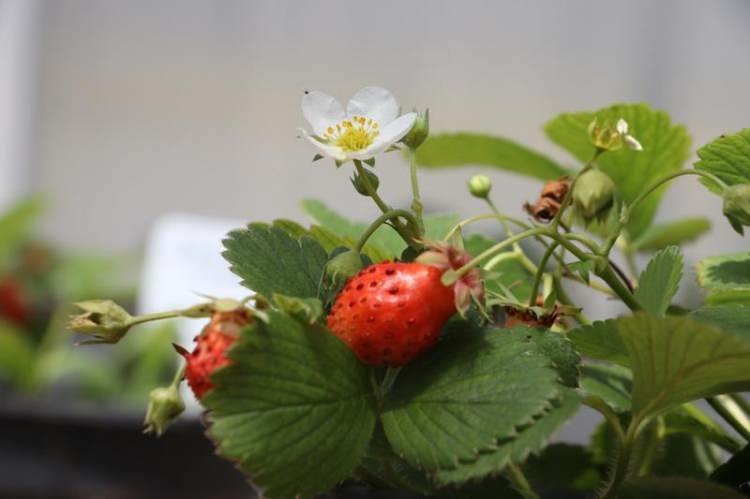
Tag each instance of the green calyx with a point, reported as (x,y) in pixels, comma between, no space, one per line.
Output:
(164,406)
(419,132)
(361,185)
(104,320)
(342,267)
(737,206)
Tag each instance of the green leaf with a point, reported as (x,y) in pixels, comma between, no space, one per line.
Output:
(610,382)
(466,393)
(564,467)
(728,158)
(665,148)
(660,281)
(675,488)
(601,341)
(270,261)
(676,360)
(307,310)
(294,409)
(529,439)
(725,278)
(676,232)
(731,318)
(735,472)
(465,149)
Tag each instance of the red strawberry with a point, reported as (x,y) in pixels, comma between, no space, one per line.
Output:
(14,307)
(209,353)
(391,312)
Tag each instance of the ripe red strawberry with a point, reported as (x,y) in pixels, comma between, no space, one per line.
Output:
(391,312)
(212,343)
(14,307)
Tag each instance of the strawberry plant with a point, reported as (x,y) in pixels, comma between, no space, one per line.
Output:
(415,353)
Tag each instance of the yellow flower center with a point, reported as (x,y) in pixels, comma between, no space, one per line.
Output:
(353,134)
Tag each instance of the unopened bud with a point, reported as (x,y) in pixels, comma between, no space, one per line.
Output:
(359,182)
(737,206)
(593,194)
(419,132)
(480,186)
(164,406)
(105,320)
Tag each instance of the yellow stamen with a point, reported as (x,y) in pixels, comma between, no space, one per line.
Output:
(354,134)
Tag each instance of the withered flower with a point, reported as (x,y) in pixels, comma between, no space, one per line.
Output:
(552,195)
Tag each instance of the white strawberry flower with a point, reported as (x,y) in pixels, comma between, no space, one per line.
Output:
(630,141)
(369,125)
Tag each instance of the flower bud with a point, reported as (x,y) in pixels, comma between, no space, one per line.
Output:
(593,194)
(737,206)
(419,132)
(105,320)
(343,266)
(480,186)
(164,406)
(359,183)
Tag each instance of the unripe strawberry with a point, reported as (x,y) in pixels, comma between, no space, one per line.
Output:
(211,346)
(14,305)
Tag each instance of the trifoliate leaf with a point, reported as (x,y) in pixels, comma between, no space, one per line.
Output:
(294,409)
(732,318)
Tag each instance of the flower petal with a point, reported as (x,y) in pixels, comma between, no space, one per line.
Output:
(389,135)
(374,102)
(321,111)
(325,149)
(632,143)
(622,126)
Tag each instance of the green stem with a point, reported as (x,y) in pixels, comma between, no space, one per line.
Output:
(179,376)
(157,316)
(416,204)
(622,464)
(485,216)
(729,414)
(603,408)
(519,481)
(388,215)
(404,232)
(614,282)
(540,272)
(625,216)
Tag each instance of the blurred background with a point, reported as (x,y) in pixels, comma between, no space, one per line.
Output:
(113,114)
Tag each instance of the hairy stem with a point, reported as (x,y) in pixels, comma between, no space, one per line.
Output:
(416,204)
